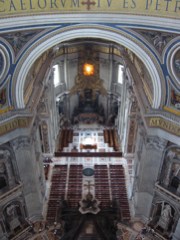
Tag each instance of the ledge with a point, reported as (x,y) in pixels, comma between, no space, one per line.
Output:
(162,189)
(11,191)
(88,154)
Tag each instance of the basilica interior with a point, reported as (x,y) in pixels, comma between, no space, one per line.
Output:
(89,127)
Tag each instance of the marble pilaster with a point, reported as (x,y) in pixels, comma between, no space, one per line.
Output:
(26,162)
(150,162)
(176,235)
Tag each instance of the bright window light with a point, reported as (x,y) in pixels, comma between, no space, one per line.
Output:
(120,74)
(56,75)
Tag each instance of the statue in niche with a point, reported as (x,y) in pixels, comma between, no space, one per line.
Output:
(165,217)
(12,217)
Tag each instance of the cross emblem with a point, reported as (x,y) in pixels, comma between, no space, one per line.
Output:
(88,3)
(89,185)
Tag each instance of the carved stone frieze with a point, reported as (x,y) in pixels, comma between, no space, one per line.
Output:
(158,39)
(154,142)
(42,107)
(21,142)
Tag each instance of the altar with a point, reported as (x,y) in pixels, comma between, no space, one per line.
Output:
(88,118)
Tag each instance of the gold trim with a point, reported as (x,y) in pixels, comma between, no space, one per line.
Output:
(171,110)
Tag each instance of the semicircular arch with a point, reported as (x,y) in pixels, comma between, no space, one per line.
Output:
(86,31)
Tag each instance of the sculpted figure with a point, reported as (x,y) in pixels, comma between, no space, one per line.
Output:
(166,216)
(12,217)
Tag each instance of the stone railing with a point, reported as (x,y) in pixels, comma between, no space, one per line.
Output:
(166,191)
(25,234)
(11,192)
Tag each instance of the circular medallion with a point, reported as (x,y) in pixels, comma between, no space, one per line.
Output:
(88,172)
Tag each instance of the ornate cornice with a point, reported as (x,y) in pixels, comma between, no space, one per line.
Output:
(163,120)
(14,120)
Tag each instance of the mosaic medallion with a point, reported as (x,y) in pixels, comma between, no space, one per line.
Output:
(88,172)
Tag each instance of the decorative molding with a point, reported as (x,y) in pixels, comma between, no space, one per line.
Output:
(19,122)
(159,188)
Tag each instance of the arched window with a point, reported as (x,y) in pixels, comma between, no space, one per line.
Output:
(56,75)
(120,73)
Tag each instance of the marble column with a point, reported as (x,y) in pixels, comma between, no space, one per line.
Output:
(176,235)
(27,165)
(150,162)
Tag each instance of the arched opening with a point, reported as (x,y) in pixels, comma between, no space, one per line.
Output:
(99,33)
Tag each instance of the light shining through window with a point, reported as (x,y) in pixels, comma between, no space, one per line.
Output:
(120,74)
(56,75)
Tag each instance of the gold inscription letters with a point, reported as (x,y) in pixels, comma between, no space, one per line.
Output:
(159,122)
(169,8)
(12,125)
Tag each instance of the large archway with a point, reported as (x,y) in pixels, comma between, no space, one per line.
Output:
(83,31)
